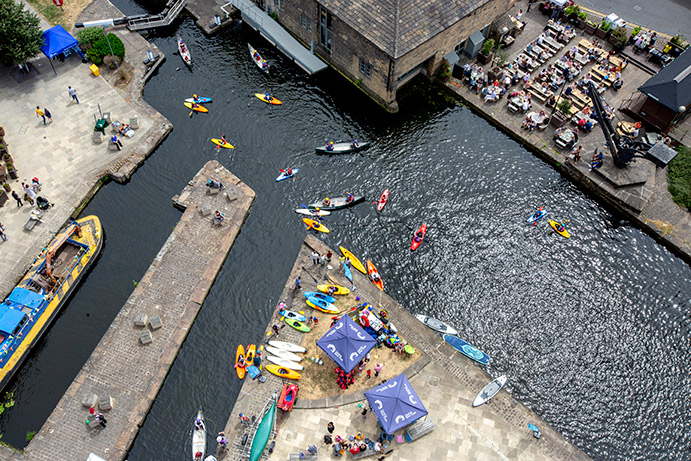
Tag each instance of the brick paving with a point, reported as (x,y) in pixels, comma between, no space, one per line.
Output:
(446,381)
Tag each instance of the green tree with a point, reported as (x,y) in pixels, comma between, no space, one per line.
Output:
(21,36)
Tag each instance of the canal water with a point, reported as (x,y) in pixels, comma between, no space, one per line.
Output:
(592,332)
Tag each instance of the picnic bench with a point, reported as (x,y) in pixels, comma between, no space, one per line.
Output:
(537,92)
(418,429)
(366,453)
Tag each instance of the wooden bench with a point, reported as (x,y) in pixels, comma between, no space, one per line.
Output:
(418,429)
(538,94)
(366,454)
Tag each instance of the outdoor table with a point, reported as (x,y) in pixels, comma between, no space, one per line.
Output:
(536,117)
(564,138)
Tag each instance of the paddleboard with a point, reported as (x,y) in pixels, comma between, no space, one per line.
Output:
(466,349)
(537,215)
(436,325)
(489,391)
(311,212)
(347,271)
(221,143)
(556,226)
(353,260)
(238,369)
(299,326)
(318,295)
(199,100)
(414,244)
(383,199)
(339,289)
(273,100)
(199,108)
(316,225)
(291,347)
(284,174)
(282,372)
(293,315)
(322,306)
(285,363)
(283,354)
(371,270)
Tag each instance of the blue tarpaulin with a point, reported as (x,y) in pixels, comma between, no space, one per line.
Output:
(346,343)
(57,40)
(396,404)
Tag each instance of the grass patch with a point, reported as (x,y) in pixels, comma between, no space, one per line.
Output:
(30,435)
(65,15)
(679,176)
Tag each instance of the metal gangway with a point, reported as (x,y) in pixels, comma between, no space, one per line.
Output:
(272,31)
(165,18)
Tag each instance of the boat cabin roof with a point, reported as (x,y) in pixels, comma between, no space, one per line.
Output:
(25,297)
(10,319)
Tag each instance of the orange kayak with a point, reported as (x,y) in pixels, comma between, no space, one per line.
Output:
(371,270)
(240,370)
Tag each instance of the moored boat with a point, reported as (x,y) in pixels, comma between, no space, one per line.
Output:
(258,60)
(199,436)
(342,148)
(37,299)
(374,275)
(353,260)
(467,349)
(337,203)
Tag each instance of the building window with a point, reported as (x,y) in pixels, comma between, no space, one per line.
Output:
(279,5)
(365,69)
(306,22)
(325,25)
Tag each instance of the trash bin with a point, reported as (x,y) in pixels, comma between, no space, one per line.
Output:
(101,125)
(94,70)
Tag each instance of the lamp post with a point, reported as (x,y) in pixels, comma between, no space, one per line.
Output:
(110,47)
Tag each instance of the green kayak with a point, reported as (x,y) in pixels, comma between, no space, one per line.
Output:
(299,326)
(263,433)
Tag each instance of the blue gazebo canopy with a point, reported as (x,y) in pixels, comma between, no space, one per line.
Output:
(56,40)
(396,404)
(346,343)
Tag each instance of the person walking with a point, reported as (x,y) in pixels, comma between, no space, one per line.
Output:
(377,369)
(275,329)
(29,193)
(39,113)
(330,427)
(315,258)
(298,283)
(73,93)
(222,440)
(19,200)
(2,233)
(48,115)
(322,260)
(329,254)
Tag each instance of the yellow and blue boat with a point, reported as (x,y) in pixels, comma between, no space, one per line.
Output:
(37,299)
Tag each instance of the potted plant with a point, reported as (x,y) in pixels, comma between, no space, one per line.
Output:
(444,71)
(3,172)
(590,27)
(6,186)
(603,30)
(11,171)
(571,11)
(2,131)
(485,54)
(636,30)
(6,157)
(619,38)
(562,114)
(3,197)
(582,16)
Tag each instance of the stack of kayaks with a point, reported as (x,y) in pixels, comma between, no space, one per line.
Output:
(284,359)
(316,301)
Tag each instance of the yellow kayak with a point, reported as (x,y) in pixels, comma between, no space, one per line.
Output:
(316,225)
(339,289)
(282,372)
(353,260)
(559,228)
(273,100)
(221,143)
(196,107)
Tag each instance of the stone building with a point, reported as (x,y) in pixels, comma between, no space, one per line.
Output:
(382,44)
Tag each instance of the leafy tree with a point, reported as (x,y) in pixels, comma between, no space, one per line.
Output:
(101,48)
(21,36)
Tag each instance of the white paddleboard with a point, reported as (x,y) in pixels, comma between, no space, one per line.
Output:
(436,325)
(489,391)
(283,354)
(290,347)
(285,363)
(310,212)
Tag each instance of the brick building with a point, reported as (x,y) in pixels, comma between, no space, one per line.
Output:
(381,44)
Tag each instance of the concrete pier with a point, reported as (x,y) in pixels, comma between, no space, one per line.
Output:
(446,381)
(125,366)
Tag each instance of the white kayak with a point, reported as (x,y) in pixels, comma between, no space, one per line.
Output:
(283,354)
(184,52)
(311,212)
(284,174)
(258,60)
(489,391)
(436,325)
(199,436)
(285,363)
(290,347)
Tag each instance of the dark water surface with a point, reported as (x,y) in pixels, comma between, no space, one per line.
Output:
(593,332)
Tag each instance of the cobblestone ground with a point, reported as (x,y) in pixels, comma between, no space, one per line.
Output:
(446,381)
(121,366)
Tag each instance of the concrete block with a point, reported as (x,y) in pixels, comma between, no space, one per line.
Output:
(106,115)
(145,337)
(112,146)
(232,195)
(205,209)
(90,400)
(213,190)
(140,319)
(97,137)
(105,403)
(155,322)
(92,423)
(134,123)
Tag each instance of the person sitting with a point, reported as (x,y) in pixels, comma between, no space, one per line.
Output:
(327,201)
(222,440)
(199,424)
(223,139)
(375,277)
(330,145)
(218,217)
(332,290)
(350,198)
(114,140)
(418,237)
(355,144)
(198,456)
(214,183)
(588,127)
(36,215)
(268,97)
(290,172)
(256,55)
(316,225)
(265,65)
(526,105)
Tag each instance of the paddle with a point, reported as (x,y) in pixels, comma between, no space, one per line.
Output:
(308,273)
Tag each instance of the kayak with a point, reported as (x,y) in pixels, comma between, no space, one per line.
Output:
(184,52)
(287,346)
(316,225)
(264,431)
(537,215)
(414,244)
(466,349)
(258,60)
(199,100)
(280,353)
(222,143)
(383,199)
(298,325)
(239,369)
(342,148)
(199,436)
(285,363)
(347,271)
(559,228)
(436,325)
(250,353)
(339,289)
(284,174)
(371,270)
(311,212)
(283,372)
(197,108)
(353,260)
(293,315)
(320,296)
(273,100)
(337,203)
(322,306)
(489,391)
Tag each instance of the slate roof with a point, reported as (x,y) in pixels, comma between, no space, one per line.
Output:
(672,85)
(398,26)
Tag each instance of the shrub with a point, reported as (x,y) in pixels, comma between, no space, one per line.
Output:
(572,9)
(487,47)
(565,107)
(678,40)
(679,176)
(583,15)
(101,48)
(622,38)
(604,25)
(89,35)
(444,70)
(635,31)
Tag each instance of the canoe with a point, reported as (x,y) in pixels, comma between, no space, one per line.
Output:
(258,60)
(250,353)
(316,225)
(287,346)
(318,295)
(537,215)
(489,391)
(264,431)
(322,306)
(299,326)
(557,226)
(339,289)
(221,143)
(383,199)
(199,436)
(238,369)
(283,354)
(284,174)
(293,315)
(198,108)
(283,372)
(337,203)
(311,212)
(285,363)
(346,270)
(273,100)
(199,100)
(436,325)
(342,148)
(371,270)
(414,244)
(184,52)
(353,260)
(466,349)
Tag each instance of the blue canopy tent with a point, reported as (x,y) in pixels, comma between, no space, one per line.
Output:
(57,40)
(346,343)
(396,404)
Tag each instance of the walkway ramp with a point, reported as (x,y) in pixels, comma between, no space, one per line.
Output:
(167,16)
(258,20)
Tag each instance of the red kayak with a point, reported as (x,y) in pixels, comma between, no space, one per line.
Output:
(383,199)
(414,245)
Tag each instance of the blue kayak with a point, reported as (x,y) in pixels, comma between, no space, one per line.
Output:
(348,272)
(318,295)
(537,215)
(466,349)
(284,174)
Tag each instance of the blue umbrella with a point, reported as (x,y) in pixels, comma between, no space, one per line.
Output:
(346,343)
(396,404)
